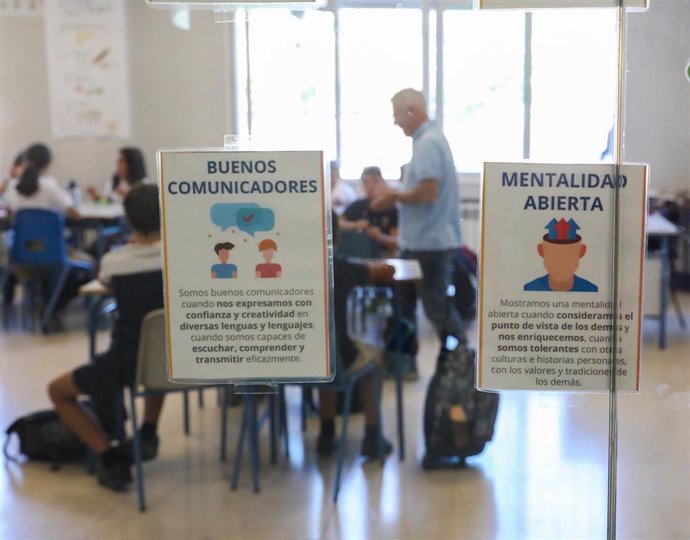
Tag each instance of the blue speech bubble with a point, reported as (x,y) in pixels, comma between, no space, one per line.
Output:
(251,220)
(224,215)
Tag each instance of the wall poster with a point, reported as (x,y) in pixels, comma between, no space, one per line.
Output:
(87,68)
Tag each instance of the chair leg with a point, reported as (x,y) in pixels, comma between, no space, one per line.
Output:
(238,450)
(304,408)
(224,424)
(136,443)
(283,421)
(248,425)
(341,443)
(254,443)
(376,374)
(185,406)
(50,308)
(679,311)
(200,398)
(272,421)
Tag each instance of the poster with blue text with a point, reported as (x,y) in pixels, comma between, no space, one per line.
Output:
(247,266)
(560,296)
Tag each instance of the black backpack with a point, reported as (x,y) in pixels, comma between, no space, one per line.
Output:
(44,437)
(465,293)
(458,419)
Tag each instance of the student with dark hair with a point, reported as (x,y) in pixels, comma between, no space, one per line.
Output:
(14,171)
(136,267)
(130,169)
(35,189)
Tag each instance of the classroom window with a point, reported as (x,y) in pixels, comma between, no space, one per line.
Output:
(540,86)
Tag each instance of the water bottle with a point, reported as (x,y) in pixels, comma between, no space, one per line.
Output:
(75,192)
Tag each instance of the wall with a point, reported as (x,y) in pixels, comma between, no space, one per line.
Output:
(179,92)
(658,94)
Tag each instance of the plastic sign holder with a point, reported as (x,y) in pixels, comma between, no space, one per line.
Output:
(223,9)
(544,4)
(247,253)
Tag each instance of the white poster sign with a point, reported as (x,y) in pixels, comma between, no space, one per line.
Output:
(21,8)
(536,4)
(216,4)
(247,270)
(546,287)
(87,68)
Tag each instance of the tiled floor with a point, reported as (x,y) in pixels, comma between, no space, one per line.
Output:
(543,477)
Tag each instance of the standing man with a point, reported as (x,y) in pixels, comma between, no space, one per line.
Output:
(429,215)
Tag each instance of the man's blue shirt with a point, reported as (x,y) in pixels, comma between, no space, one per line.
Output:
(432,226)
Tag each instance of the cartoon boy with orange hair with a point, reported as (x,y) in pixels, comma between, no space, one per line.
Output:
(268,269)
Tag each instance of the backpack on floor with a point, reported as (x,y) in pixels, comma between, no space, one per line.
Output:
(44,437)
(458,419)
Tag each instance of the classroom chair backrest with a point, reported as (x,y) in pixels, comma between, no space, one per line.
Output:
(152,358)
(135,295)
(39,238)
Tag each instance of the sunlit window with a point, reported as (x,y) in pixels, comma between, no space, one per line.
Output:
(483,114)
(292,79)
(374,64)
(574,84)
(324,79)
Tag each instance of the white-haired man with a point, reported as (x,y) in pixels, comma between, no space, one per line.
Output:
(429,220)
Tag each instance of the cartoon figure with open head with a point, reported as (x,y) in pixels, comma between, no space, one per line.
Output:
(561,249)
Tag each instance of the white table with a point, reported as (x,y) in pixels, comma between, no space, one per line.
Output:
(660,227)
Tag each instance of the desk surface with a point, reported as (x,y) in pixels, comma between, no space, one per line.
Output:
(658,225)
(101,211)
(406,270)
(95,287)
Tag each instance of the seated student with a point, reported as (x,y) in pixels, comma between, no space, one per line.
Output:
(34,189)
(346,275)
(139,262)
(14,172)
(382,226)
(130,169)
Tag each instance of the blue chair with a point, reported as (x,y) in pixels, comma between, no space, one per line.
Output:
(39,250)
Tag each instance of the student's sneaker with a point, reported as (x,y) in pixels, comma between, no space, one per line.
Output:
(149,446)
(325,445)
(370,448)
(117,476)
(53,325)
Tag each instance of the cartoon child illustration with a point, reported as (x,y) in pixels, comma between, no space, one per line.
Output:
(561,250)
(268,269)
(223,270)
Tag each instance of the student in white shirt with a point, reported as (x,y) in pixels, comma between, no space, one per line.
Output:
(34,190)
